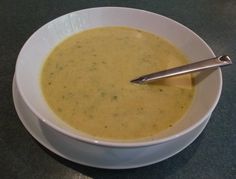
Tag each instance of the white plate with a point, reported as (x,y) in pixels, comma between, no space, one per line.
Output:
(46,137)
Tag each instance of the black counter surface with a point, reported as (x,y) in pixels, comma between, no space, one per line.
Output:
(211,156)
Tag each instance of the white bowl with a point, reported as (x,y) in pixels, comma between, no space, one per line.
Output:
(39,45)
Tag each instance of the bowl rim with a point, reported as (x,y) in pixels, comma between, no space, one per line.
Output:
(118,143)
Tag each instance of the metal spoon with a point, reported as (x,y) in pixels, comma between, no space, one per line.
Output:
(189,68)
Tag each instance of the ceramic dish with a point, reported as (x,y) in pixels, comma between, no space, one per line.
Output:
(107,153)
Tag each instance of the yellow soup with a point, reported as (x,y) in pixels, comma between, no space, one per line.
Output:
(86,82)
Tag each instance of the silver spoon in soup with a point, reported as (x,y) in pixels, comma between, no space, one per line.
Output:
(189,68)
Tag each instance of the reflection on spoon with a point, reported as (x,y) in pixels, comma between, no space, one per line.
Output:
(189,68)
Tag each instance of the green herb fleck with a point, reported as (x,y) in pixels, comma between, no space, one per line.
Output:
(140,109)
(190,95)
(103,94)
(92,69)
(122,124)
(115,114)
(59,109)
(86,96)
(154,125)
(114,97)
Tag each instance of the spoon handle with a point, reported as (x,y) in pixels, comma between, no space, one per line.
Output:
(197,66)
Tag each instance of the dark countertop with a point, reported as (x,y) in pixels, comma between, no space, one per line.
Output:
(212,155)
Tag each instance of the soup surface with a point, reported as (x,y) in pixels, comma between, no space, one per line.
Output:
(86,82)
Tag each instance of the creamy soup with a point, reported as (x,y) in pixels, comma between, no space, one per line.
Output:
(86,82)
